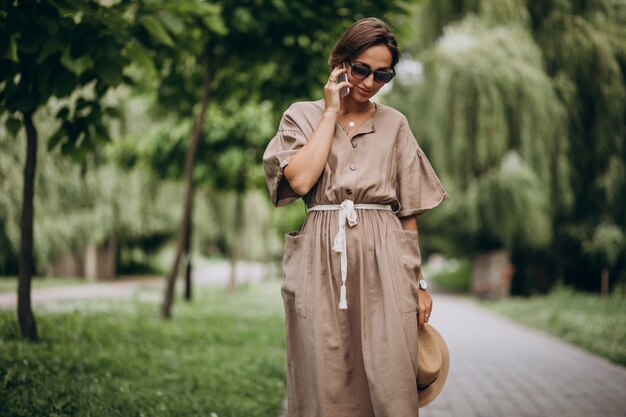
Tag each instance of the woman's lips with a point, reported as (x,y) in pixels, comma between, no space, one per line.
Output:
(363,92)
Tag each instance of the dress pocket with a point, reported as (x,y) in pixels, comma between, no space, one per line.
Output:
(408,268)
(296,272)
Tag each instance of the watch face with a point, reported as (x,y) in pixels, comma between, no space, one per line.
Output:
(422,284)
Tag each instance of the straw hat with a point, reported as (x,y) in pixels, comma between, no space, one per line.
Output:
(433,362)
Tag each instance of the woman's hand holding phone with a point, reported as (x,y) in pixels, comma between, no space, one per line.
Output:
(337,82)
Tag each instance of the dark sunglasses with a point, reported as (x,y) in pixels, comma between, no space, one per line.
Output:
(360,71)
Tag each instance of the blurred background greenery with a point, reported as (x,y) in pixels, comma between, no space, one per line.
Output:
(520,106)
(140,105)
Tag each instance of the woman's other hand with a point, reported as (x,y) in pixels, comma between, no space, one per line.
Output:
(424,308)
(425,301)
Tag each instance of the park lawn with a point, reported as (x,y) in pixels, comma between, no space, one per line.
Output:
(222,355)
(593,323)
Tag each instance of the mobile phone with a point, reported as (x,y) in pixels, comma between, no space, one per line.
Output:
(343,77)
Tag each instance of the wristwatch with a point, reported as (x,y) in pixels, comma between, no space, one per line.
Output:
(422,284)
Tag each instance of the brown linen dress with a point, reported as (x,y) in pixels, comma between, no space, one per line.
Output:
(362,361)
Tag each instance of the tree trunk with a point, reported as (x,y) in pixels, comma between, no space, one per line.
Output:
(185,230)
(604,282)
(188,286)
(491,274)
(235,247)
(188,265)
(26,318)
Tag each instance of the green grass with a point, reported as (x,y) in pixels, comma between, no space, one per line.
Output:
(222,355)
(593,323)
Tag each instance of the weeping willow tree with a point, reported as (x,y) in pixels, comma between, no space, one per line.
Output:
(584,47)
(521,109)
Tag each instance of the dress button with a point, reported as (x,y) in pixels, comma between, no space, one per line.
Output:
(352,167)
(354,143)
(348,191)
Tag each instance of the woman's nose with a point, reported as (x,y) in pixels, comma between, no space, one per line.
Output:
(369,81)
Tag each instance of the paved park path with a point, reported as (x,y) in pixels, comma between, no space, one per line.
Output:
(212,273)
(501,369)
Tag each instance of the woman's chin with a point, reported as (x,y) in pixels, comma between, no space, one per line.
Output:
(359,97)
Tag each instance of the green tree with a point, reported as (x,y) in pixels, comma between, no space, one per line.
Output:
(494,128)
(538,86)
(234,146)
(74,50)
(584,47)
(83,204)
(262,50)
(191,30)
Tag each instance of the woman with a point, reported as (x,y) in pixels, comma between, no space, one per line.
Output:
(353,300)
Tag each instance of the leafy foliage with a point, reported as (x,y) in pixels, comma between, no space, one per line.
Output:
(75,61)
(544,81)
(75,50)
(83,204)
(437,15)
(585,51)
(257,51)
(501,204)
(605,244)
(493,127)
(263,52)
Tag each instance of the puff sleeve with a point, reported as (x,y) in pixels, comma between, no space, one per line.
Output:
(418,187)
(285,144)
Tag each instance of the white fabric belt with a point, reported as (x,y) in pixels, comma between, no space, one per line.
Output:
(346,213)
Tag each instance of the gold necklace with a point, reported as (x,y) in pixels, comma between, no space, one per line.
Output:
(351,122)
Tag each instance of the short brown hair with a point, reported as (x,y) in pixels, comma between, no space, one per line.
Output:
(360,36)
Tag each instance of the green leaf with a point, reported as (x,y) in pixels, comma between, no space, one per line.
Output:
(42,77)
(156,30)
(113,112)
(66,7)
(81,103)
(242,19)
(12,50)
(13,126)
(110,71)
(140,56)
(173,23)
(55,139)
(128,80)
(101,133)
(50,46)
(25,103)
(77,66)
(63,81)
(215,24)
(212,17)
(63,113)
